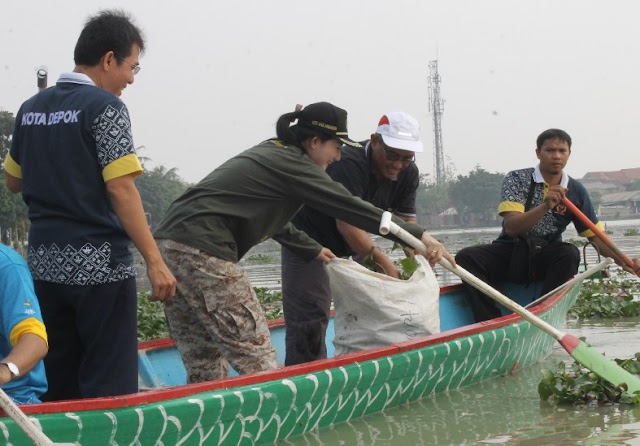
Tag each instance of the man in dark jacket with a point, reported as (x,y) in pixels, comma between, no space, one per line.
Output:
(382,173)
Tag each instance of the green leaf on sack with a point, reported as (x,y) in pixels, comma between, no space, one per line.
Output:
(409,266)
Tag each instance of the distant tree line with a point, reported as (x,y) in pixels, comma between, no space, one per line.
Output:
(159,187)
(472,198)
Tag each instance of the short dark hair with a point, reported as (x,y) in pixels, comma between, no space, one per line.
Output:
(553,134)
(108,30)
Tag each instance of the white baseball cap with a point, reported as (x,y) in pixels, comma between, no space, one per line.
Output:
(400,131)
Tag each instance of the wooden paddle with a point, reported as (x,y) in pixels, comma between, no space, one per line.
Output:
(35,435)
(579,350)
(601,235)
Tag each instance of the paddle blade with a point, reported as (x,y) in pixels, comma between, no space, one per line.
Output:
(598,364)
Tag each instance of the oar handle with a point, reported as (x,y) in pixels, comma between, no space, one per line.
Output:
(11,409)
(388,226)
(601,235)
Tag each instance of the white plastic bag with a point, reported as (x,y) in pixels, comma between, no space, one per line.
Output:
(374,310)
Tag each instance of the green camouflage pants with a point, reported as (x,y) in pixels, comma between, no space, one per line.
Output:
(215,316)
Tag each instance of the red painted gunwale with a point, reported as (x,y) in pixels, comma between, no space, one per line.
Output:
(156,396)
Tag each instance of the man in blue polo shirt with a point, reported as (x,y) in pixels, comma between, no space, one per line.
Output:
(73,158)
(23,338)
(383,173)
(531,205)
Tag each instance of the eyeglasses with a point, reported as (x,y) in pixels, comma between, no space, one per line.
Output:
(394,156)
(135,67)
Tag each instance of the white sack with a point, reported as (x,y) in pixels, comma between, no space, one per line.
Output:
(374,310)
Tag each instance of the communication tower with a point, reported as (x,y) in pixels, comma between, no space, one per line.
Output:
(436,108)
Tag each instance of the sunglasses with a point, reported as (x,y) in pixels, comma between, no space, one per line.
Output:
(390,155)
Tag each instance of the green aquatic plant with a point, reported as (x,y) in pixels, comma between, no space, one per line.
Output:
(261,259)
(578,242)
(608,298)
(574,384)
(151,321)
(630,232)
(406,266)
(271,302)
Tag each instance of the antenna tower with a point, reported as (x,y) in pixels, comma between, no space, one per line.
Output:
(436,108)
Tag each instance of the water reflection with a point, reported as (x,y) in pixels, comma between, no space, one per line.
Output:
(618,338)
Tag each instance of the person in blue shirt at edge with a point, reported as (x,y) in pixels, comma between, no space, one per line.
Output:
(383,173)
(73,158)
(531,205)
(23,338)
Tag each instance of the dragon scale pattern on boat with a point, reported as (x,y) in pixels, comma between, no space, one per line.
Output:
(279,409)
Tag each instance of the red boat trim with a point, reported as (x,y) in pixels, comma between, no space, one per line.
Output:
(155,396)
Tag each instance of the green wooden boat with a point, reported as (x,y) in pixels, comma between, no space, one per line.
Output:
(269,406)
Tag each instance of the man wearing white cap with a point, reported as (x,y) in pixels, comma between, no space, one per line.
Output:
(383,173)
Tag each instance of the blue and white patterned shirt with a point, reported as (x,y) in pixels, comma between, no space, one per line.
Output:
(513,197)
(69,140)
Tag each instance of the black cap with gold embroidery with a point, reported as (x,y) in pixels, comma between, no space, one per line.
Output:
(328,119)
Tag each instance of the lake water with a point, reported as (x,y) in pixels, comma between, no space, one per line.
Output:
(503,411)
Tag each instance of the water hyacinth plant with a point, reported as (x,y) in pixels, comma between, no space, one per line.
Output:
(605,298)
(406,266)
(153,325)
(608,298)
(573,384)
(271,302)
(151,321)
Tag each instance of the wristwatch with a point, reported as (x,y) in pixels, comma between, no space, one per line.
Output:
(15,371)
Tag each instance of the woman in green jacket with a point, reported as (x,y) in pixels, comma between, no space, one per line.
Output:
(215,316)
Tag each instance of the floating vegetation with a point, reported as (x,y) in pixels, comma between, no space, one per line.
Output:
(261,259)
(630,232)
(608,298)
(479,240)
(573,384)
(579,242)
(151,321)
(271,302)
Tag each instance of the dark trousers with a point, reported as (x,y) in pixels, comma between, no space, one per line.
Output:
(306,301)
(93,346)
(555,264)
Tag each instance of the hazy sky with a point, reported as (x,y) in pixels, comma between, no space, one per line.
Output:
(217,74)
